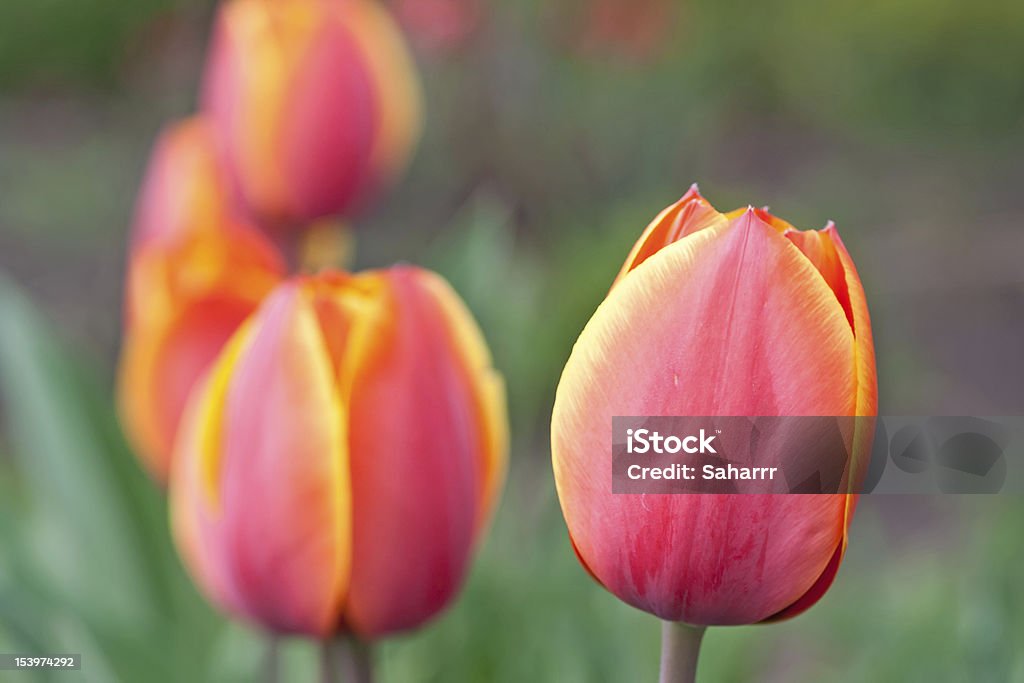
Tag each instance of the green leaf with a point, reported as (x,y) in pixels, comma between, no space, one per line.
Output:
(93,530)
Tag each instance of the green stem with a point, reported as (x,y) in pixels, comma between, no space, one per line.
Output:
(271,659)
(680,645)
(346,660)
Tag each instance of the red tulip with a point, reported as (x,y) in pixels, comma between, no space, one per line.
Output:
(712,314)
(341,461)
(316,104)
(194,273)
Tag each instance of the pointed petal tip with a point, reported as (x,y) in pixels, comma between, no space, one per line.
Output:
(832,231)
(752,219)
(691,194)
(749,216)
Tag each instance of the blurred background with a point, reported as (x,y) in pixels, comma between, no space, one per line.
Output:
(554,133)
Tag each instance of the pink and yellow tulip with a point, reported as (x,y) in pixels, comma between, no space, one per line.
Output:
(337,468)
(316,104)
(714,314)
(194,273)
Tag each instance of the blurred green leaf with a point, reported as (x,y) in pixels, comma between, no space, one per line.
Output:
(478,253)
(78,41)
(76,473)
(91,546)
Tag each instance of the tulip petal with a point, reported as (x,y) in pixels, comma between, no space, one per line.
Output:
(160,364)
(193,495)
(867,378)
(731,320)
(817,589)
(819,248)
(183,185)
(328,165)
(255,48)
(826,252)
(187,292)
(417,434)
(283,480)
(690,214)
(393,74)
(488,390)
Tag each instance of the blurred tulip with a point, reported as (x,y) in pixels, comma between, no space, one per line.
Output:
(316,103)
(438,26)
(713,314)
(342,459)
(636,30)
(194,273)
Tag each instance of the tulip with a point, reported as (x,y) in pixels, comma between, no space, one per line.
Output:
(712,314)
(194,273)
(633,30)
(439,26)
(343,456)
(316,104)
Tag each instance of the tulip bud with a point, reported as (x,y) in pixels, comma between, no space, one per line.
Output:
(343,457)
(315,102)
(712,314)
(194,273)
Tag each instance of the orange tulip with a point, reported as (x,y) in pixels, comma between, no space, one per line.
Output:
(712,314)
(340,462)
(194,274)
(316,104)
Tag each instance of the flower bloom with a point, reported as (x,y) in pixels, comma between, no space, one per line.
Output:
(316,104)
(343,456)
(194,273)
(712,314)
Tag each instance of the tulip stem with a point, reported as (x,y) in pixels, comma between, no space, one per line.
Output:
(680,645)
(350,657)
(271,657)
